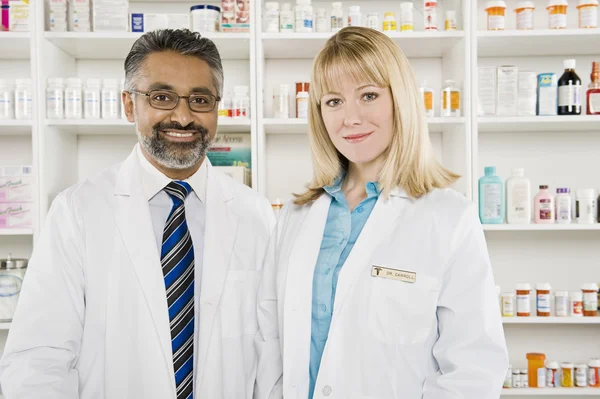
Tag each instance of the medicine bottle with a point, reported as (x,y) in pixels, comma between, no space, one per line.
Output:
(524,378)
(552,374)
(543,302)
(525,11)
(581,375)
(241,102)
(450,20)
(588,14)
(569,90)
(508,378)
(543,206)
(564,207)
(23,99)
(450,99)
(304,16)
(535,361)
(55,98)
(272,17)
(561,304)
(225,106)
(322,22)
(407,22)
(593,93)
(286,18)
(337,17)
(302,104)
(430,14)
(594,373)
(354,16)
(73,99)
(91,99)
(590,299)
(427,94)
(523,300)
(389,22)
(516,378)
(110,99)
(585,206)
(568,378)
(576,304)
(557,14)
(496,18)
(373,21)
(281,101)
(508,304)
(7,98)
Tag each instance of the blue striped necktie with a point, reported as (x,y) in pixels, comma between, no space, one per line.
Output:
(177,260)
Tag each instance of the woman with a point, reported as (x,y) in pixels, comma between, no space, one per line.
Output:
(379,283)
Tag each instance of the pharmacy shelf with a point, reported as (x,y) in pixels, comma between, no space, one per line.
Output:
(307,45)
(109,45)
(124,127)
(541,227)
(15,45)
(15,127)
(551,320)
(16,232)
(4,326)
(300,126)
(546,42)
(565,123)
(567,392)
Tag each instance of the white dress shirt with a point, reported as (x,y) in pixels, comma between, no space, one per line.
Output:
(153,182)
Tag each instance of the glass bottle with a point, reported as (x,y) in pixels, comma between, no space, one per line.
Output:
(569,90)
(593,93)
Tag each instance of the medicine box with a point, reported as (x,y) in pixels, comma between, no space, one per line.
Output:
(235,15)
(547,95)
(16,184)
(18,16)
(527,101)
(145,22)
(232,149)
(111,15)
(486,91)
(507,91)
(16,215)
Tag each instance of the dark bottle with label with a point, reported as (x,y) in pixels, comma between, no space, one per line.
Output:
(569,91)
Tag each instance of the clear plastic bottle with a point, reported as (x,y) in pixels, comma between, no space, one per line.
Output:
(272,17)
(304,16)
(23,99)
(286,18)
(337,16)
(281,101)
(354,16)
(428,100)
(110,99)
(450,99)
(55,99)
(241,102)
(322,22)
(373,21)
(73,103)
(7,98)
(91,99)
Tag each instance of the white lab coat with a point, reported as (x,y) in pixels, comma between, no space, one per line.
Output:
(440,337)
(92,320)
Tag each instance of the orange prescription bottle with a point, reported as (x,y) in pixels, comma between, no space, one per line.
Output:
(524,12)
(543,302)
(588,14)
(523,300)
(496,19)
(594,373)
(557,14)
(535,361)
(590,299)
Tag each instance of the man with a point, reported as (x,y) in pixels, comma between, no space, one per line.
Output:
(143,282)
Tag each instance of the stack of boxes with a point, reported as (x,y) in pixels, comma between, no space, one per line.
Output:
(235,15)
(16,197)
(111,15)
(57,10)
(80,16)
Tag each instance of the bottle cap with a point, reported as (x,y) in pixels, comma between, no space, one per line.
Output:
(525,4)
(570,63)
(586,193)
(543,287)
(536,356)
(553,3)
(23,82)
(563,190)
(495,4)
(552,365)
(272,6)
(590,287)
(576,296)
(354,8)
(73,82)
(594,363)
(561,293)
(489,170)
(406,7)
(523,287)
(543,187)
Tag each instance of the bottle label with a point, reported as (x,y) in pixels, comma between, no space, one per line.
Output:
(496,22)
(546,209)
(543,303)
(519,201)
(569,95)
(337,23)
(525,19)
(594,103)
(562,306)
(428,98)
(430,15)
(523,304)
(590,301)
(563,208)
(492,200)
(557,21)
(389,26)
(588,17)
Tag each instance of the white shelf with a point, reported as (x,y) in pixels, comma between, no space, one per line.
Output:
(15,45)
(108,45)
(16,232)
(124,127)
(15,127)
(551,320)
(565,123)
(4,326)
(545,42)
(307,45)
(569,392)
(542,227)
(300,126)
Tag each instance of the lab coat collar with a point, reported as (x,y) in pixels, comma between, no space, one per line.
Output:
(154,181)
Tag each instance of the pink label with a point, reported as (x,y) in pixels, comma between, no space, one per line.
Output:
(16,216)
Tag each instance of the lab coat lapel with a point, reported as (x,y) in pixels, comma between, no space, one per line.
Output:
(298,292)
(134,222)
(219,239)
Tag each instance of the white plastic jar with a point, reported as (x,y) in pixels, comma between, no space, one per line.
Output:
(73,96)
(281,101)
(354,16)
(286,18)
(272,17)
(241,102)
(110,99)
(430,14)
(561,303)
(564,206)
(55,100)
(205,18)
(91,99)
(588,14)
(302,104)
(585,206)
(337,16)
(23,99)
(525,11)
(304,16)
(373,21)
(322,22)
(407,22)
(7,96)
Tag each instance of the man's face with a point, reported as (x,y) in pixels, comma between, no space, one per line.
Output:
(178,138)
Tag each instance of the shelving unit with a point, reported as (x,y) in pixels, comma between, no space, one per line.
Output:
(541,227)
(580,123)
(14,127)
(551,320)
(566,392)
(15,45)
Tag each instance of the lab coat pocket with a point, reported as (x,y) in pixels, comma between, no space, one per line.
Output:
(238,304)
(402,312)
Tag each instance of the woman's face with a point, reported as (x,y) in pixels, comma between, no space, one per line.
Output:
(359,117)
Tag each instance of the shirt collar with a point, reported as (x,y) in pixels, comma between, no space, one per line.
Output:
(154,181)
(335,189)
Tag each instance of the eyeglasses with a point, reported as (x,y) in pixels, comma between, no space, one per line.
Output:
(168,100)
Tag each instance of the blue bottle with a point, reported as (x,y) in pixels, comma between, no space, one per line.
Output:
(491,197)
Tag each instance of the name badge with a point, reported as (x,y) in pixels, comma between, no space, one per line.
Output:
(394,274)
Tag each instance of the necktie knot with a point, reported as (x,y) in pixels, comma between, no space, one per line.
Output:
(178,191)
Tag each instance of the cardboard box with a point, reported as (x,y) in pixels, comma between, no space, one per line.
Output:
(486,84)
(235,15)
(18,16)
(16,216)
(507,90)
(547,94)
(232,149)
(527,101)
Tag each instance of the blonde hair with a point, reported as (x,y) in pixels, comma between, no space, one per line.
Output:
(371,57)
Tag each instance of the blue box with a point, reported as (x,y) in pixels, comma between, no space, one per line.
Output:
(547,94)
(137,22)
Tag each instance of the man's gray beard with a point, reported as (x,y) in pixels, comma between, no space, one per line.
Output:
(173,155)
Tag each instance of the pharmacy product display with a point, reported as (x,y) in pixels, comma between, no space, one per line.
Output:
(232,154)
(14,16)
(548,208)
(12,273)
(509,91)
(540,300)
(303,17)
(555,12)
(16,99)
(16,197)
(449,99)
(543,373)
(236,106)
(282,96)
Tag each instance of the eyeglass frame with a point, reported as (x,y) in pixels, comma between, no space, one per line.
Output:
(147,94)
